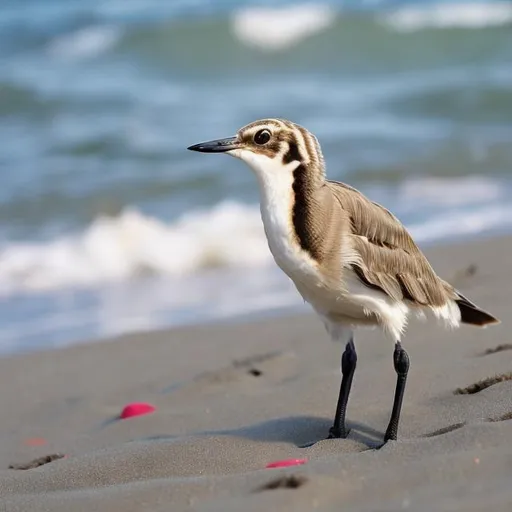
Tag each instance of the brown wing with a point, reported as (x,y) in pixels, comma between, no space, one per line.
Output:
(390,260)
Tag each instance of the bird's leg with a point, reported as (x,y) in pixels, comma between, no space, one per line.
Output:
(401,363)
(348,367)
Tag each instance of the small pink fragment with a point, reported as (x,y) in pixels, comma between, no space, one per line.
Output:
(136,409)
(285,463)
(35,441)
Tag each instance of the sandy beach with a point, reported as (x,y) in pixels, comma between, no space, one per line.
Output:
(231,398)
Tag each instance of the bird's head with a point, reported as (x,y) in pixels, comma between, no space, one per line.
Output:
(269,146)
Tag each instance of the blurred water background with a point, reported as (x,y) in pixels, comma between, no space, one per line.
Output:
(107,223)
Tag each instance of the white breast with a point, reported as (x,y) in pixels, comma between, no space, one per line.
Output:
(276,215)
(276,202)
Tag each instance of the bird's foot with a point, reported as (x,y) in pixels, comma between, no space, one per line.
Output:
(338,433)
(391,435)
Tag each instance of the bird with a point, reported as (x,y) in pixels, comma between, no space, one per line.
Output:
(349,257)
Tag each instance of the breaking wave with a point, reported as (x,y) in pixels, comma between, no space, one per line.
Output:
(87,42)
(280,28)
(271,29)
(132,244)
(228,236)
(469,15)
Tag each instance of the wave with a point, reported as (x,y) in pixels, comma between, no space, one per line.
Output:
(85,43)
(229,236)
(469,15)
(461,224)
(280,28)
(450,191)
(132,244)
(177,41)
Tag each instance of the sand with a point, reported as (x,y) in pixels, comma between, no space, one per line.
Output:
(232,398)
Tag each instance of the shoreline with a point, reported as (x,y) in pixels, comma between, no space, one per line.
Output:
(431,250)
(231,398)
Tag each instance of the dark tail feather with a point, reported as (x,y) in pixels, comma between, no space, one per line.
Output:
(472,314)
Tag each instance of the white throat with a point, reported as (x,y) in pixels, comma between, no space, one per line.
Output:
(275,181)
(274,177)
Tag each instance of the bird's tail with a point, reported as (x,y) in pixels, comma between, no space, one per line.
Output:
(471,314)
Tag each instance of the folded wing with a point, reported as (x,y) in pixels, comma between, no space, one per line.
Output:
(389,259)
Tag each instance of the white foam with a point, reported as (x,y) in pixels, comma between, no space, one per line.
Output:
(274,29)
(449,15)
(123,247)
(85,43)
(106,259)
(450,191)
(463,223)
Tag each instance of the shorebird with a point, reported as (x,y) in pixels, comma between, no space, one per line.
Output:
(350,258)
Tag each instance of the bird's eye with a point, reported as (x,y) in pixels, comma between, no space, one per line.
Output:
(262,137)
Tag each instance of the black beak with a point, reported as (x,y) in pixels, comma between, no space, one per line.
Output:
(216,146)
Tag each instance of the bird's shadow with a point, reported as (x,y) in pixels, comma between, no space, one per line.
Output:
(302,431)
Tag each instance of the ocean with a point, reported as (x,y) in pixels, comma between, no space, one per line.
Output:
(107,223)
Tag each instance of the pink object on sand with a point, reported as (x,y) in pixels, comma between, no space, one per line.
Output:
(285,463)
(136,409)
(36,441)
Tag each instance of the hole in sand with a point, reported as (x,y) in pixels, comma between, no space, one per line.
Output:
(445,430)
(255,372)
(505,417)
(284,482)
(483,384)
(499,348)
(41,461)
(259,358)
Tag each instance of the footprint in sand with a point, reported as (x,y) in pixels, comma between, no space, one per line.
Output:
(483,384)
(266,369)
(504,417)
(284,482)
(40,461)
(445,430)
(498,348)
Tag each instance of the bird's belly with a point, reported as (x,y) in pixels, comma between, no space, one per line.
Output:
(347,302)
(334,301)
(350,301)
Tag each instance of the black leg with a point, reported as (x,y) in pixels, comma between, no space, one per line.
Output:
(348,367)
(401,362)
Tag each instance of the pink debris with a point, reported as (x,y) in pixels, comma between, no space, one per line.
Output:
(36,441)
(136,409)
(285,463)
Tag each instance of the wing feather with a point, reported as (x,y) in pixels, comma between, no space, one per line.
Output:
(389,258)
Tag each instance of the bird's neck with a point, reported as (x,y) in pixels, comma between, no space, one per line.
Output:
(293,207)
(308,211)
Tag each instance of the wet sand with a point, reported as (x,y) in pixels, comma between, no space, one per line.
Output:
(232,398)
